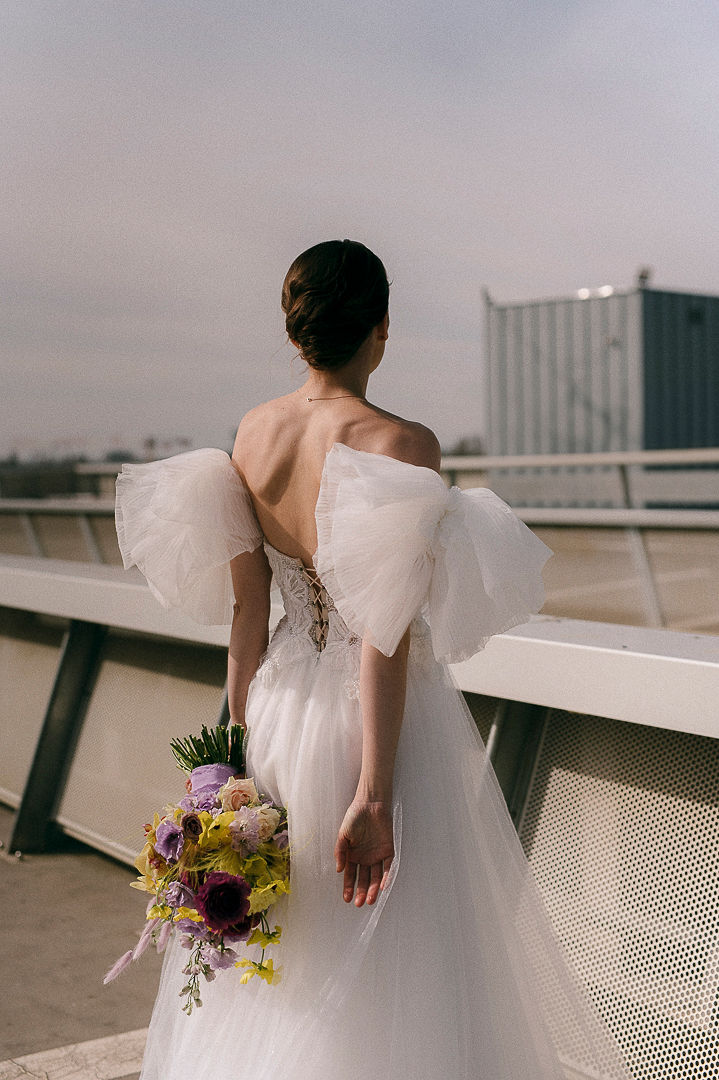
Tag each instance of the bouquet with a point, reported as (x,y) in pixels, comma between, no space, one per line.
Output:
(214,864)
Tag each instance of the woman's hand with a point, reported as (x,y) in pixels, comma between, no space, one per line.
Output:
(364,850)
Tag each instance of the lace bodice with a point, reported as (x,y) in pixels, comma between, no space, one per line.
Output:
(312,626)
(310,612)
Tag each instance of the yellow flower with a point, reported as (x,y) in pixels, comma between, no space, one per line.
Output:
(149,864)
(265,971)
(150,832)
(144,884)
(159,911)
(269,973)
(187,913)
(216,830)
(258,937)
(262,898)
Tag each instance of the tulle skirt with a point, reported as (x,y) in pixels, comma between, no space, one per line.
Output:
(455,973)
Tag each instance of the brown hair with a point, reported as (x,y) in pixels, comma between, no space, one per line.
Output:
(334,294)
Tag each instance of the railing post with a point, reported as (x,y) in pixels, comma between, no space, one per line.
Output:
(89,538)
(640,558)
(31,536)
(495,731)
(74,679)
(518,731)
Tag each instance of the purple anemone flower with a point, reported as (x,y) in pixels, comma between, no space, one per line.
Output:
(169,841)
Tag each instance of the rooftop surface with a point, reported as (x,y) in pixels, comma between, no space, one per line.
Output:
(68,916)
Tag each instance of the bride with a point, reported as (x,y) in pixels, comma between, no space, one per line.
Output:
(415,945)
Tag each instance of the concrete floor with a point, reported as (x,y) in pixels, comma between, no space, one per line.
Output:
(66,919)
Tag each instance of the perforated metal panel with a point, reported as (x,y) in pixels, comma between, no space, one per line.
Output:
(622,830)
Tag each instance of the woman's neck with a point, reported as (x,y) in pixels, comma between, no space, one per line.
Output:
(351,379)
(325,385)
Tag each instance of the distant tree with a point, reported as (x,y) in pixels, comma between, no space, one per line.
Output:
(113,456)
(468,444)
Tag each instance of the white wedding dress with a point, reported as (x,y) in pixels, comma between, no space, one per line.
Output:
(455,973)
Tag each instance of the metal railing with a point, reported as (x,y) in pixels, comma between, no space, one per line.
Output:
(552,663)
(633,491)
(622,483)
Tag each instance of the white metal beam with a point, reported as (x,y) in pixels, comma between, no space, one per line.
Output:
(107,595)
(663,678)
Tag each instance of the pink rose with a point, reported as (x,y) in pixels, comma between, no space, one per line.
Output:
(237,792)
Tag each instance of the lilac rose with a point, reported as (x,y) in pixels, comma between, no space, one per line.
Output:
(169,841)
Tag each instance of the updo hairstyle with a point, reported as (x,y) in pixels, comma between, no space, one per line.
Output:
(334,294)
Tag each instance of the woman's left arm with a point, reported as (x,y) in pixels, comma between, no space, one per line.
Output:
(251,577)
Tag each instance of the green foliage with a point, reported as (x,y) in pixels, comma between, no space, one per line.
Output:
(213,746)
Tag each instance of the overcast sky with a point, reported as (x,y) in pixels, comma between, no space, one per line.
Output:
(165,160)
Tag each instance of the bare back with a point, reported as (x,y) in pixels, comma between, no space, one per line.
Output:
(280,453)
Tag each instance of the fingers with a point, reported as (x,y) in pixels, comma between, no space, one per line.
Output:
(385,876)
(363,878)
(348,886)
(374,882)
(363,883)
(341,852)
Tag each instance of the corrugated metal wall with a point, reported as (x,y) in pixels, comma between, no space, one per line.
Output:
(564,375)
(681,369)
(626,371)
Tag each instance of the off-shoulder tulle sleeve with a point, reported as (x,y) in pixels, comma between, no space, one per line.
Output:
(180,521)
(393,540)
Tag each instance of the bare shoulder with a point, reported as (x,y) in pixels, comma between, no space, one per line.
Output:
(257,423)
(414,443)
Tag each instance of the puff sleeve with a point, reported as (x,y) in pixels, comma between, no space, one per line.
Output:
(180,521)
(393,541)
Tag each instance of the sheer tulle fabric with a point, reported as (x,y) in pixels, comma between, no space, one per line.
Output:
(181,520)
(456,973)
(392,538)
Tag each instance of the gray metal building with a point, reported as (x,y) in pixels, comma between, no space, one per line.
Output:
(603,370)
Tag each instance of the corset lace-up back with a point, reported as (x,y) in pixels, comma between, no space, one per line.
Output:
(310,611)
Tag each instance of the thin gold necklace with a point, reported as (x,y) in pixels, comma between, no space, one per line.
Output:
(336,397)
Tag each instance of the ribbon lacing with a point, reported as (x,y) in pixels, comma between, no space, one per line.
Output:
(319,629)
